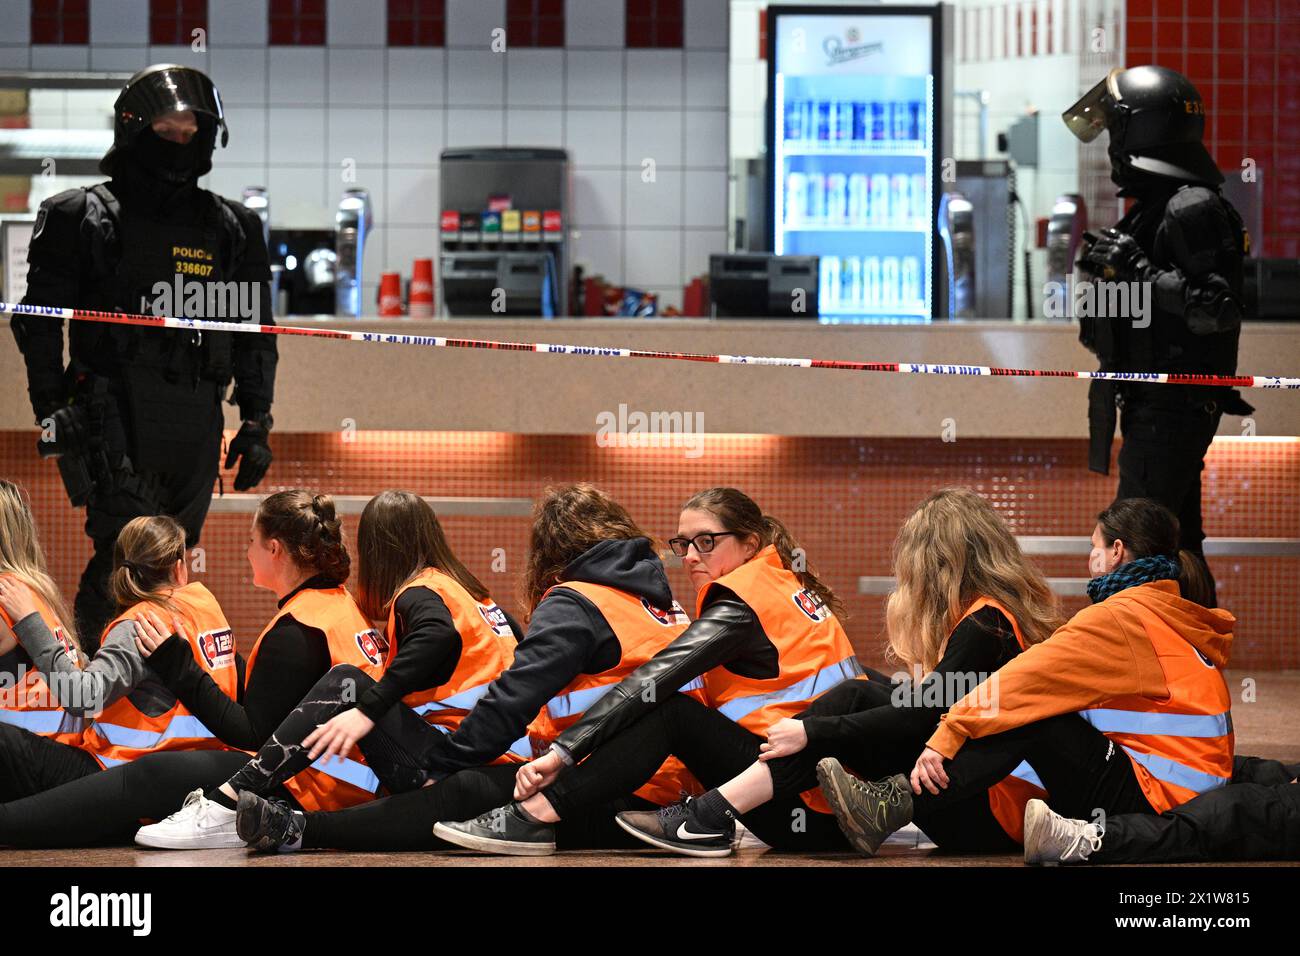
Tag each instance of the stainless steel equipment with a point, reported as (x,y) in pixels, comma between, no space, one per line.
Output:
(352,224)
(957,230)
(1065,228)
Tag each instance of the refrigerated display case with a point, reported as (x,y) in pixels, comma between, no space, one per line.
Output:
(854,124)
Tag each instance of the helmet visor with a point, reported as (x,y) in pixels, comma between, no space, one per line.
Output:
(1086,119)
(172,89)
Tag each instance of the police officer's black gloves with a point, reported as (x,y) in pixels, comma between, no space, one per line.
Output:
(250,446)
(63,431)
(1115,255)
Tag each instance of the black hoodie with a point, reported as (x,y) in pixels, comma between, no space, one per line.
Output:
(567,636)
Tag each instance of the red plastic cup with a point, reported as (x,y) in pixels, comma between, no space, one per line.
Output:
(422,289)
(390,294)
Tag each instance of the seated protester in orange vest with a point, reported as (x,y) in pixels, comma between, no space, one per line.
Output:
(600,607)
(296,550)
(133,714)
(765,644)
(1136,677)
(445,641)
(1256,817)
(967,600)
(38,738)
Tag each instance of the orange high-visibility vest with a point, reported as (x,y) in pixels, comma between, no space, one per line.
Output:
(124,732)
(642,630)
(1008,797)
(29,703)
(487,649)
(337,783)
(1182,746)
(813,652)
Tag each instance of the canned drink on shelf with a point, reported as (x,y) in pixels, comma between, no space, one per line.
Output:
(879,121)
(920,200)
(871,281)
(900,200)
(837,199)
(851,287)
(899,115)
(861,122)
(843,121)
(889,281)
(915,114)
(830,280)
(793,121)
(816,198)
(796,198)
(825,120)
(879,199)
(857,207)
(911,280)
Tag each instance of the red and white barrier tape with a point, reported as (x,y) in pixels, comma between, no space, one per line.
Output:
(391,338)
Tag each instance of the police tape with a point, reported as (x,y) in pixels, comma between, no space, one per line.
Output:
(437,341)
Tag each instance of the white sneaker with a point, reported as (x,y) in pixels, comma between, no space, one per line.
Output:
(198,825)
(1051,839)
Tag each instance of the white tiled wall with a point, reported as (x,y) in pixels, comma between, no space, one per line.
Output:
(296,114)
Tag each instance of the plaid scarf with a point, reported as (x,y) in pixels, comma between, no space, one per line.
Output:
(1158,567)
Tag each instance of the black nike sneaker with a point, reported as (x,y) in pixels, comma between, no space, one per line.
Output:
(269,826)
(678,828)
(505,831)
(867,812)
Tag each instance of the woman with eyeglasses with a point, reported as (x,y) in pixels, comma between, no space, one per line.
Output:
(765,644)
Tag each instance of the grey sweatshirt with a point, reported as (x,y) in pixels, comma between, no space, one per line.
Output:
(117,670)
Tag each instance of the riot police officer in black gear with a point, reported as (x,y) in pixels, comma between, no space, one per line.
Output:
(135,419)
(1184,239)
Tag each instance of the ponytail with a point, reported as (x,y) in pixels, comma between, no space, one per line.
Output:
(796,562)
(1194,579)
(310,530)
(144,559)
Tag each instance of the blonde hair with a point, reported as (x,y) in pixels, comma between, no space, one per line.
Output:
(144,555)
(953,549)
(21,554)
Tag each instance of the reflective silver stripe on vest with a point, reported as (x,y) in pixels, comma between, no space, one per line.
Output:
(806,689)
(349,771)
(43,721)
(1110,721)
(1026,773)
(465,700)
(185,725)
(1171,771)
(568,705)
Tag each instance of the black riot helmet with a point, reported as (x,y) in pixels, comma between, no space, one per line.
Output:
(1156,121)
(151,93)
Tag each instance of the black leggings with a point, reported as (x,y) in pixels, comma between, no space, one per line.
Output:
(31,764)
(1256,817)
(1083,770)
(405,821)
(398,749)
(714,748)
(109,806)
(967,826)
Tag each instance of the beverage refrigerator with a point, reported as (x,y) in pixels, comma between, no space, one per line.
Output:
(855,129)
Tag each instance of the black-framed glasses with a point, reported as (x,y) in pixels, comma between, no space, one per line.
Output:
(703,542)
